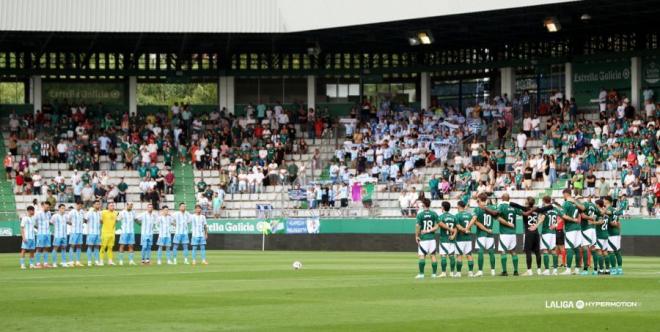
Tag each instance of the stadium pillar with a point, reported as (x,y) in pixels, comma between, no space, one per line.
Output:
(311,91)
(226,93)
(568,81)
(425,86)
(35,92)
(508,82)
(132,95)
(635,81)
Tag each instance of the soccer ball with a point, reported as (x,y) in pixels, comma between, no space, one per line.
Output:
(297,265)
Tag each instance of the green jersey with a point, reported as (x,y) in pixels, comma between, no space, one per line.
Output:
(426,220)
(509,213)
(485,219)
(463,218)
(572,211)
(449,220)
(602,232)
(201,186)
(592,211)
(615,230)
(550,220)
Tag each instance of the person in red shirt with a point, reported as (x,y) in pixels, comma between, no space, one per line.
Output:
(19,183)
(318,128)
(258,131)
(560,240)
(169,182)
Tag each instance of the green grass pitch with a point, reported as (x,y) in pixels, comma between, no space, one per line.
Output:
(345,291)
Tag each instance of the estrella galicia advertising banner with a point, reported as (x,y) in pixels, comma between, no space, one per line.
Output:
(303,225)
(248,226)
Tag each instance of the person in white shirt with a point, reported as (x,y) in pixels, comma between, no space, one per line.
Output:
(61,151)
(165,224)
(522,141)
(199,235)
(527,125)
(147,220)
(127,236)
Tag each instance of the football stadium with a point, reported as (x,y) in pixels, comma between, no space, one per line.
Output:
(329,165)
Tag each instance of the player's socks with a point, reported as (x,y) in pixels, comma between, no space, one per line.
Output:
(53,257)
(470,265)
(168,254)
(175,248)
(194,252)
(619,259)
(202,248)
(546,261)
(585,259)
(159,253)
(131,255)
(434,267)
(459,266)
(491,256)
(452,263)
(503,259)
(563,254)
(528,259)
(443,262)
(71,254)
(31,261)
(22,261)
(514,258)
(38,257)
(46,256)
(78,254)
(89,255)
(569,258)
(480,260)
(612,258)
(185,251)
(555,260)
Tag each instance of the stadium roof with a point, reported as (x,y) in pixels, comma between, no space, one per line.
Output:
(227,16)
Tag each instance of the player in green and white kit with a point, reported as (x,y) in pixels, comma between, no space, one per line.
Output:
(548,223)
(464,222)
(483,218)
(507,218)
(590,216)
(447,221)
(571,216)
(614,241)
(427,222)
(602,235)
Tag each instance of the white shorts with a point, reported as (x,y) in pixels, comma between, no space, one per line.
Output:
(485,242)
(463,247)
(548,241)
(614,243)
(603,107)
(589,237)
(426,247)
(446,248)
(603,244)
(507,242)
(573,239)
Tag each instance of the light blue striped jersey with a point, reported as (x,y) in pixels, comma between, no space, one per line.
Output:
(76,219)
(165,224)
(148,221)
(182,220)
(43,223)
(59,223)
(27,224)
(127,219)
(198,222)
(93,222)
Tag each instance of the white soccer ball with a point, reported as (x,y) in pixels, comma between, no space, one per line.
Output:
(297,265)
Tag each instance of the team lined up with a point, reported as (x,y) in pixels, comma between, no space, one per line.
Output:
(98,228)
(591,226)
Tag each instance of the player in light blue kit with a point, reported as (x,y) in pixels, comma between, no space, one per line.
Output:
(181,220)
(147,220)
(59,236)
(28,237)
(199,234)
(75,219)
(43,235)
(165,224)
(93,218)
(127,237)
